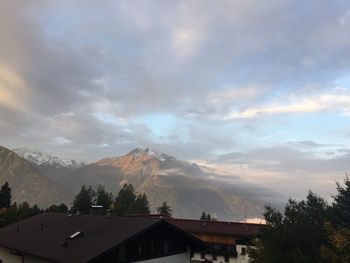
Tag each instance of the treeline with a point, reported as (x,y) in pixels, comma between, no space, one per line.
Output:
(127,201)
(308,231)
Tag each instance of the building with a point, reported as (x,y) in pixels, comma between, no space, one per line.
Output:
(226,241)
(53,237)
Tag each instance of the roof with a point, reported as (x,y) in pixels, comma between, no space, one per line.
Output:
(236,229)
(43,235)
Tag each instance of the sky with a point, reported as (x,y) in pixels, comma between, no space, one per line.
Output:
(254,90)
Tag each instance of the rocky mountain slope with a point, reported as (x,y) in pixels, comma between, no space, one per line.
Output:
(45,179)
(27,182)
(164,178)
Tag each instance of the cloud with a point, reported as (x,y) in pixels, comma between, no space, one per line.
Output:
(281,167)
(83,83)
(12,89)
(292,104)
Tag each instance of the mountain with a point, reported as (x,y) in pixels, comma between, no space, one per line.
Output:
(43,159)
(27,182)
(165,178)
(52,166)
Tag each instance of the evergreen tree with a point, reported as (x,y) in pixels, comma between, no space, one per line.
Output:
(5,196)
(62,208)
(206,216)
(340,210)
(295,236)
(140,206)
(124,200)
(103,197)
(84,200)
(164,209)
(338,228)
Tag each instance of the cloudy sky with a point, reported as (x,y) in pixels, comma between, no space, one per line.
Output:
(258,90)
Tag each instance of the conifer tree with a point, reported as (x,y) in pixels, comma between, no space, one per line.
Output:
(103,197)
(5,196)
(84,200)
(164,209)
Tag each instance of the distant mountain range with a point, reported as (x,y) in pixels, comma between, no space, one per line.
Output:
(44,159)
(45,179)
(27,182)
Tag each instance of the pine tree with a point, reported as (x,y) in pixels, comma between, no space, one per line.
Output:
(296,235)
(5,196)
(84,200)
(140,206)
(62,208)
(103,197)
(164,209)
(125,200)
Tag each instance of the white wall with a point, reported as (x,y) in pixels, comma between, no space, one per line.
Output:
(178,258)
(220,259)
(7,257)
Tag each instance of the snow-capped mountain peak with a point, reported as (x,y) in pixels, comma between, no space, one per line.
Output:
(45,159)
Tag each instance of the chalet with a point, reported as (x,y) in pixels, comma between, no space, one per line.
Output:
(53,237)
(226,241)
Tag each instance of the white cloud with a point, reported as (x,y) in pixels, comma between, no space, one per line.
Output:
(295,105)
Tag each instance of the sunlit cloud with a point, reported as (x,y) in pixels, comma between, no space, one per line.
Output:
(297,106)
(12,88)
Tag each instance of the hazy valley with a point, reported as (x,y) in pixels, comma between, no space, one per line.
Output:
(45,179)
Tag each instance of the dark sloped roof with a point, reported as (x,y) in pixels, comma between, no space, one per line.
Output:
(235,229)
(43,235)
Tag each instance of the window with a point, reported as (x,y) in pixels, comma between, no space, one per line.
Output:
(243,251)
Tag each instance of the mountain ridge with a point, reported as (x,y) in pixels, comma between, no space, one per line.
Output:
(27,182)
(185,186)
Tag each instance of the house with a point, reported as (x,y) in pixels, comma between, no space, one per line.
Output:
(226,241)
(54,237)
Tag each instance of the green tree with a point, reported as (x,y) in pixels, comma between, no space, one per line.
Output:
(140,206)
(84,200)
(5,196)
(296,235)
(124,200)
(103,197)
(164,209)
(206,216)
(62,208)
(338,227)
(340,210)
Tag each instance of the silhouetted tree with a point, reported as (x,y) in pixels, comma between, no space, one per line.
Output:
(140,206)
(296,235)
(338,227)
(164,209)
(84,200)
(103,197)
(5,196)
(206,216)
(62,208)
(124,200)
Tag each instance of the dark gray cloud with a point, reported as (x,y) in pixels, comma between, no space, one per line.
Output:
(80,82)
